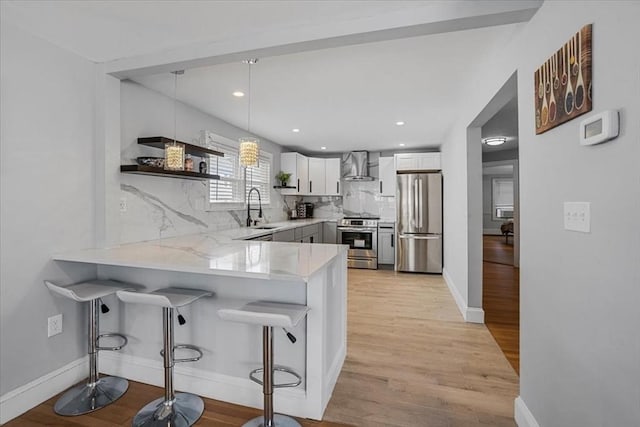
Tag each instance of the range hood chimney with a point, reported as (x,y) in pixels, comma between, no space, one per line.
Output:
(355,166)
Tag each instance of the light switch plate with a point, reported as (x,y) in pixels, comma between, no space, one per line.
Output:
(577,216)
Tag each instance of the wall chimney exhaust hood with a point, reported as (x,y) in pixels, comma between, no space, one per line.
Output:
(355,166)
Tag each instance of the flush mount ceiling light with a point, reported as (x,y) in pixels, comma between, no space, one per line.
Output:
(400,123)
(238,94)
(249,150)
(494,140)
(323,148)
(296,130)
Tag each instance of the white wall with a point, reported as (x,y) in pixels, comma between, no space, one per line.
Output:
(163,207)
(46,135)
(579,292)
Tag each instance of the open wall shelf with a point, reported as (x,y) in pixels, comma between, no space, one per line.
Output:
(148,170)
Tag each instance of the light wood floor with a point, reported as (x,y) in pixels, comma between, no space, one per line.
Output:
(412,361)
(121,412)
(501,296)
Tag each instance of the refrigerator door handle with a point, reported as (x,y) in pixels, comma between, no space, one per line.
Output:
(416,207)
(420,205)
(420,236)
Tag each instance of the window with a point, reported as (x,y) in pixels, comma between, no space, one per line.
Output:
(502,198)
(260,178)
(230,191)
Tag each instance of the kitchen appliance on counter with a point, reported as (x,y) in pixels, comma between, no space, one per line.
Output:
(304,210)
(361,235)
(419,227)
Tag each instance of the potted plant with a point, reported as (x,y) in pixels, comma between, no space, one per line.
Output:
(283,178)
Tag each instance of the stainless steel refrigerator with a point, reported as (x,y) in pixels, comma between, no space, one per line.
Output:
(419,213)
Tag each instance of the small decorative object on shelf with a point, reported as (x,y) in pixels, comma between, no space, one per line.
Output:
(174,156)
(188,163)
(283,178)
(203,165)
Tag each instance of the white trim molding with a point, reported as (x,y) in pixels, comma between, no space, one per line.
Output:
(522,414)
(20,400)
(470,314)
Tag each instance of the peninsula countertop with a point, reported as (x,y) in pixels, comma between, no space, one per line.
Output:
(222,253)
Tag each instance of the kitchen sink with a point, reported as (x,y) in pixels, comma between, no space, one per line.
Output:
(265,227)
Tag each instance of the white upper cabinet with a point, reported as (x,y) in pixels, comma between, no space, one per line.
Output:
(332,177)
(316,176)
(298,166)
(387,176)
(417,161)
(311,175)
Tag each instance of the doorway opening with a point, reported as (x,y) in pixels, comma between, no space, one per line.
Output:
(493,225)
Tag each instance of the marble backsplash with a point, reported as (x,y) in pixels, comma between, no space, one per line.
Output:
(159,207)
(358,198)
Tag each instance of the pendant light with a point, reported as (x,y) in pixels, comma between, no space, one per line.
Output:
(249,150)
(174,151)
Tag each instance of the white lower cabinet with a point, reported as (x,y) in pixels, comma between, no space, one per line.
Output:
(386,243)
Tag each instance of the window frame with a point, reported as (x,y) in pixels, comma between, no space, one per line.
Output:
(495,206)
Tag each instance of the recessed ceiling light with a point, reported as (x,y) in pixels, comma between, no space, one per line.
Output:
(495,141)
(323,148)
(238,94)
(401,144)
(296,130)
(400,123)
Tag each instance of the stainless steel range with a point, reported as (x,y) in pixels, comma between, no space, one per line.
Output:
(361,234)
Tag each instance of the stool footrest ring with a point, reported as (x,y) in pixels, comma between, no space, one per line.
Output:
(114,348)
(278,369)
(187,347)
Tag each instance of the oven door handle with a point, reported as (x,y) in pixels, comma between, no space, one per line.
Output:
(371,230)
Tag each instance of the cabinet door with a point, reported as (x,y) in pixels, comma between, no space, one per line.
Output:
(283,236)
(429,161)
(315,238)
(332,181)
(387,176)
(302,183)
(329,233)
(406,162)
(316,176)
(385,248)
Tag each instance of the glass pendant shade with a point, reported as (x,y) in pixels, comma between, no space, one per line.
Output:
(249,152)
(174,156)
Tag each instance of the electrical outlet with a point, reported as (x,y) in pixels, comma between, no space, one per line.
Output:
(123,204)
(54,325)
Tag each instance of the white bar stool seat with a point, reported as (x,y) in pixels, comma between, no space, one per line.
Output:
(97,392)
(174,409)
(269,314)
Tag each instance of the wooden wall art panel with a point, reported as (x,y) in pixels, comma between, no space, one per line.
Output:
(562,85)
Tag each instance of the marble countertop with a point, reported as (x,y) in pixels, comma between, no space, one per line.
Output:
(224,253)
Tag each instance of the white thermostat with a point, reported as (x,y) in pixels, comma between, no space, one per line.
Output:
(599,128)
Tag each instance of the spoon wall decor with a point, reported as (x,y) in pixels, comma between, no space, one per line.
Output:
(563,84)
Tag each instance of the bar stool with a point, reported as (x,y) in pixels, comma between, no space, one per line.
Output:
(174,409)
(97,392)
(269,315)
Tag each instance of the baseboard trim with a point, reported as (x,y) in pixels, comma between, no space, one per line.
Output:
(20,400)
(492,232)
(241,391)
(469,314)
(522,414)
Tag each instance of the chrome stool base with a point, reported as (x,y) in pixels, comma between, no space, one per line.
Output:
(85,398)
(279,420)
(183,411)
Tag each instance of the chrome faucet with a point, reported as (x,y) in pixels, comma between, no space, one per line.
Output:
(249,207)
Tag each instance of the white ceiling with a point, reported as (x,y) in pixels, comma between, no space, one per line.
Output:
(344,98)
